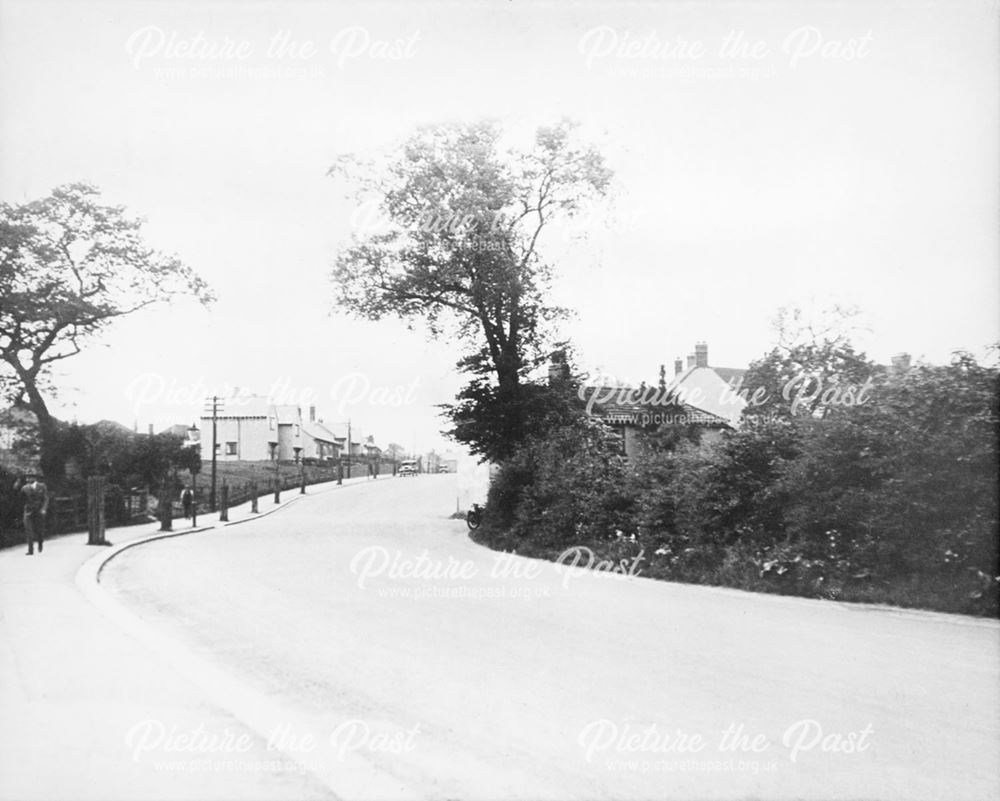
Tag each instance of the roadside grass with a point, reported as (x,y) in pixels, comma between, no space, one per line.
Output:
(950,592)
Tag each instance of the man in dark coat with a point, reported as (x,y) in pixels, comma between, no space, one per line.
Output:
(36,507)
(187,500)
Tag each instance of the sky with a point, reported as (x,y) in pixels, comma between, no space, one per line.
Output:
(765,155)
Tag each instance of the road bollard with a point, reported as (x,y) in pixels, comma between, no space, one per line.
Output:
(166,512)
(95,511)
(224,510)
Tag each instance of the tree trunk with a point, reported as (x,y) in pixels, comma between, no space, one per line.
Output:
(53,461)
(509,369)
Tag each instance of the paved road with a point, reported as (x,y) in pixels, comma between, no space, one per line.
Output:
(423,665)
(73,683)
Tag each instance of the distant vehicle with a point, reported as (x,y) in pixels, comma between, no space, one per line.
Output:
(443,469)
(408,468)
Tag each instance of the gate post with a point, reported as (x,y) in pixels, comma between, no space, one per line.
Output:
(95,511)
(224,511)
(166,509)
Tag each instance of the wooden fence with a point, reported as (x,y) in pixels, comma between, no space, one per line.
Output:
(290,478)
(69,514)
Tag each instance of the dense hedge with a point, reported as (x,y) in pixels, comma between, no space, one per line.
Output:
(891,501)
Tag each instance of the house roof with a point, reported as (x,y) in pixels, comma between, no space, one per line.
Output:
(243,406)
(257,407)
(712,390)
(731,375)
(318,431)
(339,430)
(177,430)
(288,414)
(705,395)
(651,412)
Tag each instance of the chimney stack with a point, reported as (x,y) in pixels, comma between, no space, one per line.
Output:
(558,369)
(678,366)
(701,354)
(690,363)
(312,414)
(901,362)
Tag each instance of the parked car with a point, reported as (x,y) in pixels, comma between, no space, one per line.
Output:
(408,468)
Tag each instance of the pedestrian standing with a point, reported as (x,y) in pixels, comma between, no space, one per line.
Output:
(187,499)
(36,508)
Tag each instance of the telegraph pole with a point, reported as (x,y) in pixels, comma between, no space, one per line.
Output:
(214,405)
(349,454)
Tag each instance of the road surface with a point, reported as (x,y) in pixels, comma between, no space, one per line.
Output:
(408,661)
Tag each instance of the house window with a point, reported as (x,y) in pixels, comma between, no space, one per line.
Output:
(296,430)
(230,449)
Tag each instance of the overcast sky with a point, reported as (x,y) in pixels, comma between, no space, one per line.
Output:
(847,152)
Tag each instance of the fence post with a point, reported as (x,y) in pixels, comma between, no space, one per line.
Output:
(95,511)
(253,497)
(166,510)
(224,509)
(277,491)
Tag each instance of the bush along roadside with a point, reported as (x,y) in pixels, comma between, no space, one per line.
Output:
(892,502)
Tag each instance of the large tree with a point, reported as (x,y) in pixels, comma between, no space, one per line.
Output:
(69,266)
(813,367)
(461,219)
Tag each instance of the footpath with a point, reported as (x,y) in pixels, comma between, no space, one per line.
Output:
(74,686)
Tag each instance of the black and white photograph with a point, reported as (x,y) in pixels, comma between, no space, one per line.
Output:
(495,399)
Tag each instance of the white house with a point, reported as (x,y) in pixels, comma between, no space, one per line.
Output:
(698,394)
(250,428)
(320,442)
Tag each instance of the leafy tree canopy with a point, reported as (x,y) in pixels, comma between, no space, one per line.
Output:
(455,242)
(69,266)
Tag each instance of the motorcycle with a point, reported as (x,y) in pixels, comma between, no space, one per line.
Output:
(474,517)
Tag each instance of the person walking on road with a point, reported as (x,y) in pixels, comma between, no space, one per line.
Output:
(36,508)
